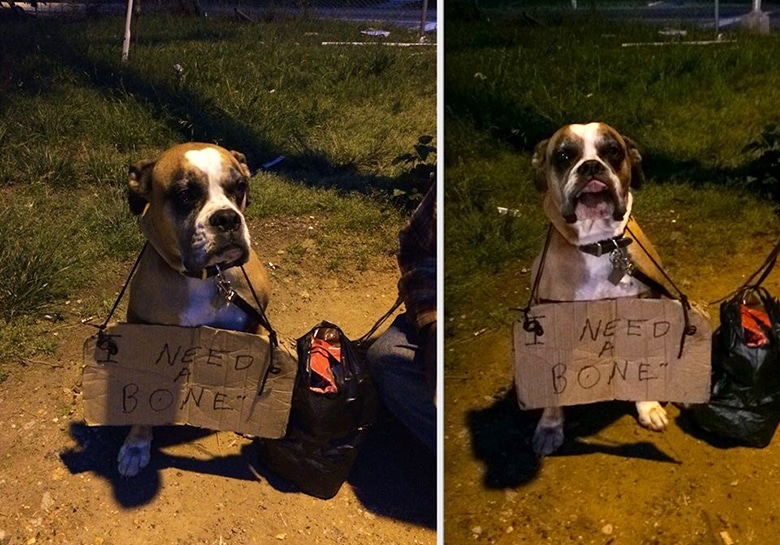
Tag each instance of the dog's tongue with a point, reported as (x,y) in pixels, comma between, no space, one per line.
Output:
(594,186)
(594,201)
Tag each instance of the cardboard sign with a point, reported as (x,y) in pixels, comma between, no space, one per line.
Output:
(206,377)
(625,349)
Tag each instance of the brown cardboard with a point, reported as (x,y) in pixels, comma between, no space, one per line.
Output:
(206,377)
(612,349)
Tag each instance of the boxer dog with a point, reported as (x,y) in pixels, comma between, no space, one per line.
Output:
(191,201)
(586,173)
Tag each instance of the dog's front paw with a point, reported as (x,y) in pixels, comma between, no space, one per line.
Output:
(547,439)
(133,457)
(548,435)
(135,452)
(652,415)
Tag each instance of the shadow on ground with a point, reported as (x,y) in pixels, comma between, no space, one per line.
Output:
(501,439)
(394,475)
(98,448)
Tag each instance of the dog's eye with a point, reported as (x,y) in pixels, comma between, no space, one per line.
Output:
(614,153)
(240,190)
(563,156)
(186,195)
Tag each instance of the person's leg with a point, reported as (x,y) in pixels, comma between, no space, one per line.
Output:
(397,367)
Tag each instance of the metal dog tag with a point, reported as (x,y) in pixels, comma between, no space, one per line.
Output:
(621,265)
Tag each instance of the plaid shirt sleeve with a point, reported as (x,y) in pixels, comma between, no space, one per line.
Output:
(417,262)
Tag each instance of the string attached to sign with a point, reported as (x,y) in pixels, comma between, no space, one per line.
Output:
(104,342)
(530,324)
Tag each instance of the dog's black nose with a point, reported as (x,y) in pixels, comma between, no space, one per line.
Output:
(226,219)
(590,168)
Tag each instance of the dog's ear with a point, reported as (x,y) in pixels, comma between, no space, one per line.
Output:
(243,168)
(241,158)
(539,162)
(637,174)
(139,182)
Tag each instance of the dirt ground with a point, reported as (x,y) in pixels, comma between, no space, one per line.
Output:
(613,482)
(58,477)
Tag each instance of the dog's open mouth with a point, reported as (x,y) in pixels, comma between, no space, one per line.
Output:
(594,194)
(595,200)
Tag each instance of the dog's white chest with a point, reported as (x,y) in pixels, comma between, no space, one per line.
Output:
(597,285)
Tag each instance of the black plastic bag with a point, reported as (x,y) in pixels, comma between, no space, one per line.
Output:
(336,415)
(318,468)
(333,405)
(745,401)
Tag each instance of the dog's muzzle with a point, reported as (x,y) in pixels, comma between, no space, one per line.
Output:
(595,191)
(223,240)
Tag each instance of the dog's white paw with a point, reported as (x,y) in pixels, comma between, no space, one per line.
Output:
(547,439)
(548,435)
(652,415)
(135,452)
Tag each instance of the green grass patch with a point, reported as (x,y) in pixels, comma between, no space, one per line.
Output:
(357,230)
(692,110)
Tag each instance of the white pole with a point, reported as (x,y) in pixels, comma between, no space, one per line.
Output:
(756,20)
(423,18)
(717,17)
(126,43)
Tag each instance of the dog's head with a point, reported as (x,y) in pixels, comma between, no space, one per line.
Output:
(587,172)
(191,199)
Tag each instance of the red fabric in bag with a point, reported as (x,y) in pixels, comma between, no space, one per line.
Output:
(322,380)
(754,323)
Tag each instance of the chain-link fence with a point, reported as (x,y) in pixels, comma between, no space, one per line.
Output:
(418,14)
(398,12)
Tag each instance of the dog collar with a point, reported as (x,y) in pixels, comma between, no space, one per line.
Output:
(606,246)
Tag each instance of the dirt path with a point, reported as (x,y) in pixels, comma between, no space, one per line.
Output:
(613,482)
(58,478)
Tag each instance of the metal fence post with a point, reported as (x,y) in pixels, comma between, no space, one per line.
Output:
(126,42)
(424,17)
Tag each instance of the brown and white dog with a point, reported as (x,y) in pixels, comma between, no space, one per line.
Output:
(191,201)
(586,173)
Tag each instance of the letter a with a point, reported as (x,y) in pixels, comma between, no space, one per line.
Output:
(185,372)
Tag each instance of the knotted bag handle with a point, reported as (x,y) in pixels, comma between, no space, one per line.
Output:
(382,319)
(762,272)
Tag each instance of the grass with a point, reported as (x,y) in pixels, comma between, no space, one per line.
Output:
(351,240)
(73,117)
(510,83)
